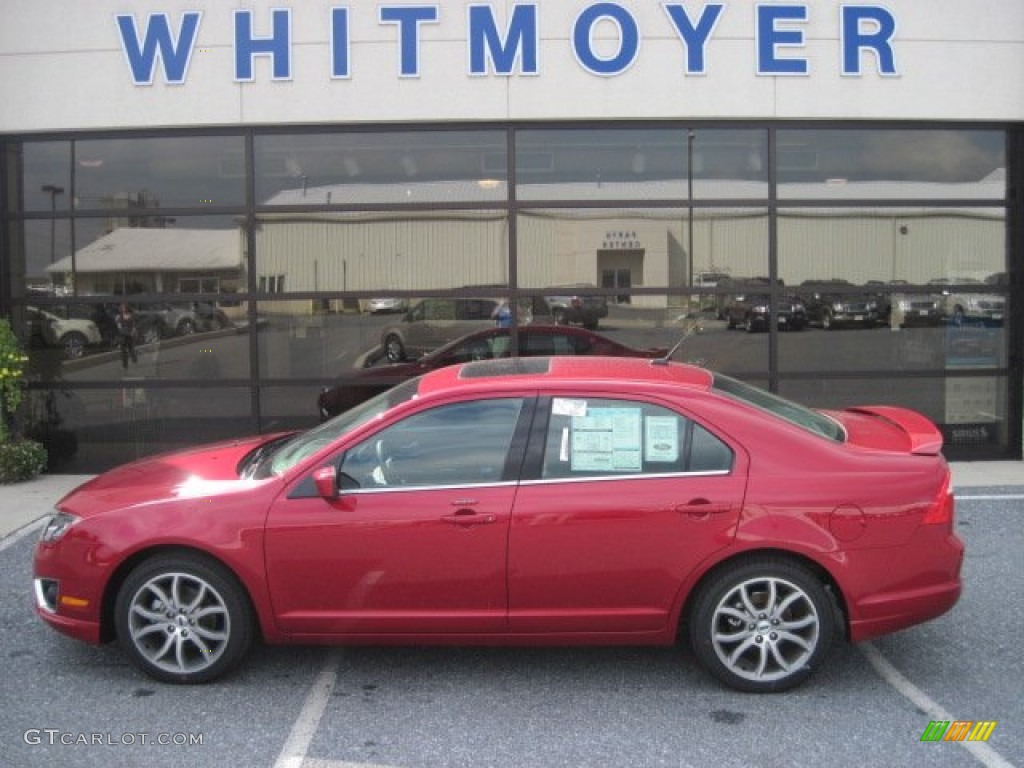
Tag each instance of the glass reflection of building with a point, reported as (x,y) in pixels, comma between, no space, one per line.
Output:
(253,291)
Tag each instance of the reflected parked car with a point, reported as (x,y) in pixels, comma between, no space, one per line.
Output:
(830,305)
(210,317)
(904,310)
(581,500)
(750,307)
(961,303)
(74,335)
(432,323)
(534,341)
(386,305)
(160,320)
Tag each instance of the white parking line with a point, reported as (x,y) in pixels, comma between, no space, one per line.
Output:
(992,497)
(293,753)
(981,752)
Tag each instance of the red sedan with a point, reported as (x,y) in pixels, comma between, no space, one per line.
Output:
(534,341)
(556,500)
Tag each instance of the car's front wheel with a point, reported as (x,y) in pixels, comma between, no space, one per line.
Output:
(394,349)
(763,625)
(183,619)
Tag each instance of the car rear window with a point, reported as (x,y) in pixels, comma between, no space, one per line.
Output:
(784,409)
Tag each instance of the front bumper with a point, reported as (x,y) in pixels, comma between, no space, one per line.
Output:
(47,599)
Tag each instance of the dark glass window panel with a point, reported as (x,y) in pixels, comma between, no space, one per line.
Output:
(891,163)
(437,167)
(92,430)
(35,246)
(610,164)
(85,339)
(40,179)
(135,178)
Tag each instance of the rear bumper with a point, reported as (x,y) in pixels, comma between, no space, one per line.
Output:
(903,602)
(898,610)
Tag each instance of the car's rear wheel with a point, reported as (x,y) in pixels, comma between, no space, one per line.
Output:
(762,625)
(394,349)
(183,619)
(186,327)
(74,344)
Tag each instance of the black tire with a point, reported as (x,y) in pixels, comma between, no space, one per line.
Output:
(74,344)
(755,650)
(590,325)
(394,350)
(826,321)
(150,335)
(186,327)
(182,618)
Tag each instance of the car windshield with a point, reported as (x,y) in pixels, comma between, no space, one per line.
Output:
(792,412)
(306,444)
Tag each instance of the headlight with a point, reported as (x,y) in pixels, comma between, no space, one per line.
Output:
(57,526)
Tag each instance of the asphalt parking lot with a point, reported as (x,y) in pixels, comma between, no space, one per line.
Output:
(67,704)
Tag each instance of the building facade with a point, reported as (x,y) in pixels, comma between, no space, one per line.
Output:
(829,191)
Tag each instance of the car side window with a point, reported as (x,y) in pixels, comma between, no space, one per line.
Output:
(475,309)
(593,437)
(439,309)
(545,344)
(536,344)
(458,444)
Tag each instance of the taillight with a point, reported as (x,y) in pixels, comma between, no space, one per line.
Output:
(942,509)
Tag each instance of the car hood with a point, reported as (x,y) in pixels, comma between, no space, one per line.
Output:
(202,472)
(890,428)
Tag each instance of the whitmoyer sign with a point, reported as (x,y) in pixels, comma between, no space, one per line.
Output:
(68,65)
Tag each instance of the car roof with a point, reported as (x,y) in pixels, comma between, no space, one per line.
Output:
(518,372)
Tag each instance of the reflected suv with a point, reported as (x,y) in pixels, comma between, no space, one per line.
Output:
(969,305)
(830,305)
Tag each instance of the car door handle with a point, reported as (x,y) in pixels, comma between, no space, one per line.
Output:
(701,508)
(467,517)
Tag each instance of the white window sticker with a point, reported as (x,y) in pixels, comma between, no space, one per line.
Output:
(563,406)
(606,440)
(661,438)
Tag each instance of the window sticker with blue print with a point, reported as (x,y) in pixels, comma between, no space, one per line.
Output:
(606,439)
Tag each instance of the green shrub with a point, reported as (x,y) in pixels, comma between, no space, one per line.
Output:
(21,460)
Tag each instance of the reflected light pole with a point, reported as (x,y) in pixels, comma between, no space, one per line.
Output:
(54,190)
(690,136)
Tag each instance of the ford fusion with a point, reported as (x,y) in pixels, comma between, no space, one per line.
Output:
(525,501)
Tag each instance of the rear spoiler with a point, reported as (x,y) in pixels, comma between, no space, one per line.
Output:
(925,437)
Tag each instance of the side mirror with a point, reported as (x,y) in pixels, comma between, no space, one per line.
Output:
(326,481)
